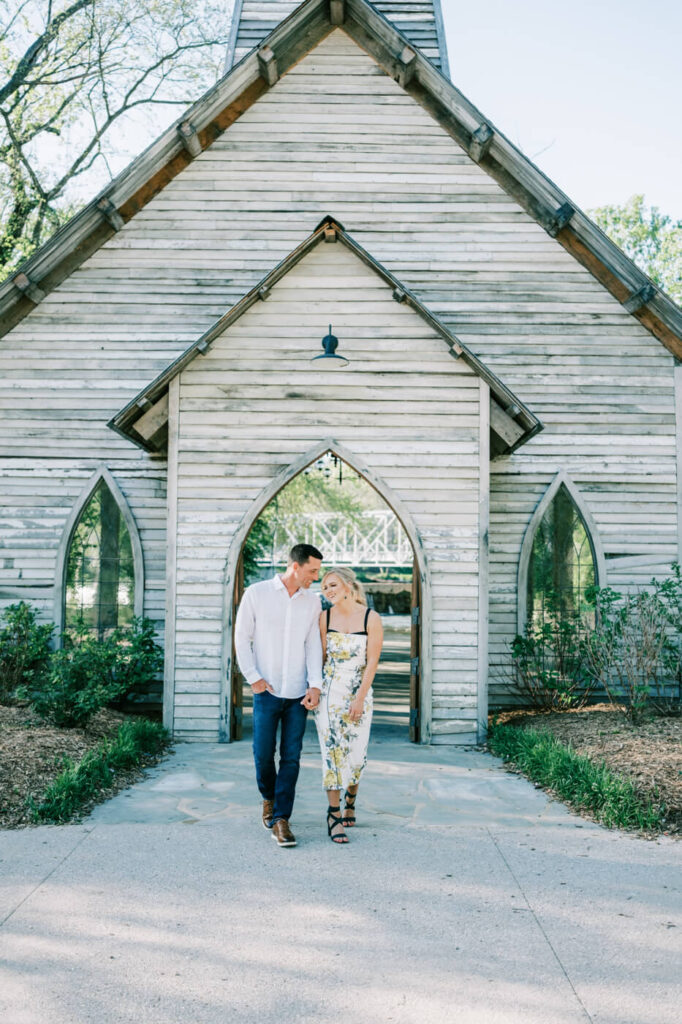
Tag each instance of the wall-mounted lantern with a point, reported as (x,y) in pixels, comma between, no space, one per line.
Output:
(330,343)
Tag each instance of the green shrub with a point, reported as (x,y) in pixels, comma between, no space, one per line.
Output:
(140,659)
(666,694)
(574,778)
(24,649)
(79,784)
(548,664)
(633,652)
(88,673)
(629,647)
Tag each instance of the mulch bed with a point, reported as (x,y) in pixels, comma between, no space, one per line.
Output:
(32,755)
(649,754)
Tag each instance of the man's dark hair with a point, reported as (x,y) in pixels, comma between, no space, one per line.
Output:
(300,553)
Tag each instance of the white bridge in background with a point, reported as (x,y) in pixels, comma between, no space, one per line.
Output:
(374,538)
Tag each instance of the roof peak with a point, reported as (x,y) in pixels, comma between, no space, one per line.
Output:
(214,113)
(144,419)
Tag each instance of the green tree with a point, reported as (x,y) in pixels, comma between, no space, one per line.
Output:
(71,71)
(321,488)
(651,238)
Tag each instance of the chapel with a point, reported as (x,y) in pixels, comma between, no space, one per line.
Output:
(512,378)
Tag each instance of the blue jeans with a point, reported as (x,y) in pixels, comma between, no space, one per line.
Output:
(279,784)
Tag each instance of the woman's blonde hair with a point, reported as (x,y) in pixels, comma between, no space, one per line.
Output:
(350,579)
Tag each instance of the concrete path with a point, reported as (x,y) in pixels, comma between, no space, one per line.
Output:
(464,896)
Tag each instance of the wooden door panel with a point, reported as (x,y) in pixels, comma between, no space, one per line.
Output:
(415,656)
(237,681)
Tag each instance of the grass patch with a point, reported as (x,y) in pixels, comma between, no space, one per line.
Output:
(83,783)
(577,780)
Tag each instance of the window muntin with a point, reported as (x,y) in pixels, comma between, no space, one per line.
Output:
(562,563)
(100,575)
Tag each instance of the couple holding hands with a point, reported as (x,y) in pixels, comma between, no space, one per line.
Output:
(298,658)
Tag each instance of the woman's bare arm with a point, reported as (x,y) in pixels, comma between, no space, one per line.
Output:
(323,635)
(375,640)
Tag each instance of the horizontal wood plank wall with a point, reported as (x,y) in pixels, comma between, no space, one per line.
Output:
(255,402)
(37,498)
(416,20)
(336,135)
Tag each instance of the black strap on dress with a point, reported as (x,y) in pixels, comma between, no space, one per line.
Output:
(359,632)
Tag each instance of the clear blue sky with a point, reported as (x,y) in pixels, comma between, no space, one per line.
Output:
(591,90)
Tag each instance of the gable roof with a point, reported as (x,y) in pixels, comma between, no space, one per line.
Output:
(144,419)
(258,71)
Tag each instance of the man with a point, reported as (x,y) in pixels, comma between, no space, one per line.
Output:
(277,639)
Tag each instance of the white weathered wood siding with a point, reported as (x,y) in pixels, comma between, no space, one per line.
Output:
(255,403)
(416,19)
(336,135)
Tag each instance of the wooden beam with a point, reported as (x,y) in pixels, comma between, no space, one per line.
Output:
(560,219)
(29,288)
(405,67)
(171,555)
(483,558)
(153,419)
(481,140)
(640,298)
(330,233)
(267,65)
(678,433)
(503,425)
(190,138)
(398,294)
(337,11)
(111,214)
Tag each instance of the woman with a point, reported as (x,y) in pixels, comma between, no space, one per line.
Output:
(352,636)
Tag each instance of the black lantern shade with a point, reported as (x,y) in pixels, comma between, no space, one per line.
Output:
(330,343)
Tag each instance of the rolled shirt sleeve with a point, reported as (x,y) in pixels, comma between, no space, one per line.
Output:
(244,634)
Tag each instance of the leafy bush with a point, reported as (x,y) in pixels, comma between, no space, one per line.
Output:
(630,647)
(88,673)
(548,664)
(666,697)
(79,784)
(574,778)
(633,652)
(24,648)
(140,659)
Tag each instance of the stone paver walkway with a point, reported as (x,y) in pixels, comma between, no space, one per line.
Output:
(465,896)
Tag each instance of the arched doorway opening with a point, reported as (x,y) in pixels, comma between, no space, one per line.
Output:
(325,498)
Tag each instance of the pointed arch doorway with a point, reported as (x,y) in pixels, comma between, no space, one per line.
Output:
(418,615)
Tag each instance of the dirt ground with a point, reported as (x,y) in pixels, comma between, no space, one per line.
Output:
(649,754)
(32,755)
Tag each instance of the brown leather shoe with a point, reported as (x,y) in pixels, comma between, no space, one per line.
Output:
(268,808)
(282,834)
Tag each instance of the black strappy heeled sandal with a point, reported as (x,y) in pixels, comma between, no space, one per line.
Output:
(349,805)
(336,820)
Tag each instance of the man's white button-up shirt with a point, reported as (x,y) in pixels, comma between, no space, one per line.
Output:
(277,637)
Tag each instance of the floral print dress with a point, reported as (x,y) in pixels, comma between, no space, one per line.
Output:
(343,742)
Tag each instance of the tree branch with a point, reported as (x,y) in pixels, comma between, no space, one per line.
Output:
(36,48)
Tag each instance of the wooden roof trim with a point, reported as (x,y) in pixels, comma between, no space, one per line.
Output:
(156,166)
(515,423)
(522,179)
(237,91)
(518,175)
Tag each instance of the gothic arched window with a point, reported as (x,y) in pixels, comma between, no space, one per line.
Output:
(100,567)
(562,563)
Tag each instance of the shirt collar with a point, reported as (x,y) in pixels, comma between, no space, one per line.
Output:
(278,585)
